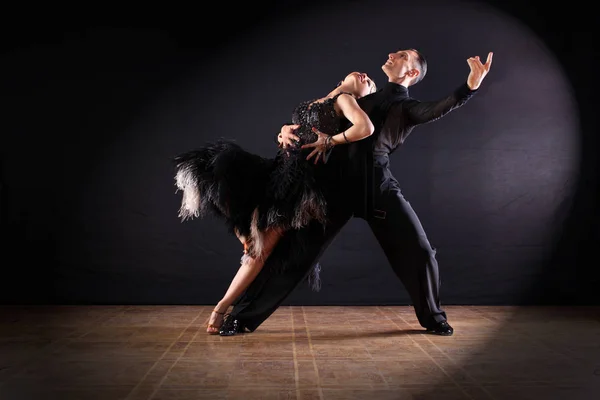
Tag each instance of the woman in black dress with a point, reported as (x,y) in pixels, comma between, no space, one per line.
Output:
(259,198)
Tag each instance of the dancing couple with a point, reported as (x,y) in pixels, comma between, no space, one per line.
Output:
(332,164)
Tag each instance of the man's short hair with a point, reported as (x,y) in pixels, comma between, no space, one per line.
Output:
(421,64)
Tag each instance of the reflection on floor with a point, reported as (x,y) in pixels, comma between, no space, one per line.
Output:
(163,352)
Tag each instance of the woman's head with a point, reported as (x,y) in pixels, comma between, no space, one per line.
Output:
(358,83)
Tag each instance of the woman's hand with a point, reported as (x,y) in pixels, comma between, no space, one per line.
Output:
(320,146)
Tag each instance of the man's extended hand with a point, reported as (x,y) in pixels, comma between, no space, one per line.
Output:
(286,136)
(478,70)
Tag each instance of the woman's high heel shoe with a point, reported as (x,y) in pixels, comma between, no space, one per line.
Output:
(212,329)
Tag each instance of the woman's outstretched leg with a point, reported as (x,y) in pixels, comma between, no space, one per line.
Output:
(247,272)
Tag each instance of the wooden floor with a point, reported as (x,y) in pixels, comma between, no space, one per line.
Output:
(163,352)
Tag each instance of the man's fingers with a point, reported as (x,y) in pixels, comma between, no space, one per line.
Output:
(288,136)
(290,128)
(476,59)
(307,145)
(489,59)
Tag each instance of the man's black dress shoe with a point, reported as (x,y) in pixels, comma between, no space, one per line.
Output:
(441,328)
(231,326)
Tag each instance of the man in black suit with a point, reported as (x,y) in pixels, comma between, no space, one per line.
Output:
(374,195)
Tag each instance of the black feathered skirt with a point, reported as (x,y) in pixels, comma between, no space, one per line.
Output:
(250,193)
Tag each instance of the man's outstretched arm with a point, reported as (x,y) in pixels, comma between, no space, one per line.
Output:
(421,112)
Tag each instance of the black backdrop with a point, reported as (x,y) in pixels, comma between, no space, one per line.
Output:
(94,106)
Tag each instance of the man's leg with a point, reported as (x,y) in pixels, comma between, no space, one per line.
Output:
(271,287)
(403,239)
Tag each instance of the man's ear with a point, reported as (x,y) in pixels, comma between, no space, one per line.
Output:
(413,73)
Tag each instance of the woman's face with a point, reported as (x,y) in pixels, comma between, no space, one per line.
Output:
(359,84)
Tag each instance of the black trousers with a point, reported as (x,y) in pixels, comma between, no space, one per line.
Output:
(399,233)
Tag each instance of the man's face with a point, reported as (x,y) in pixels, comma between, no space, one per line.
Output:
(399,63)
